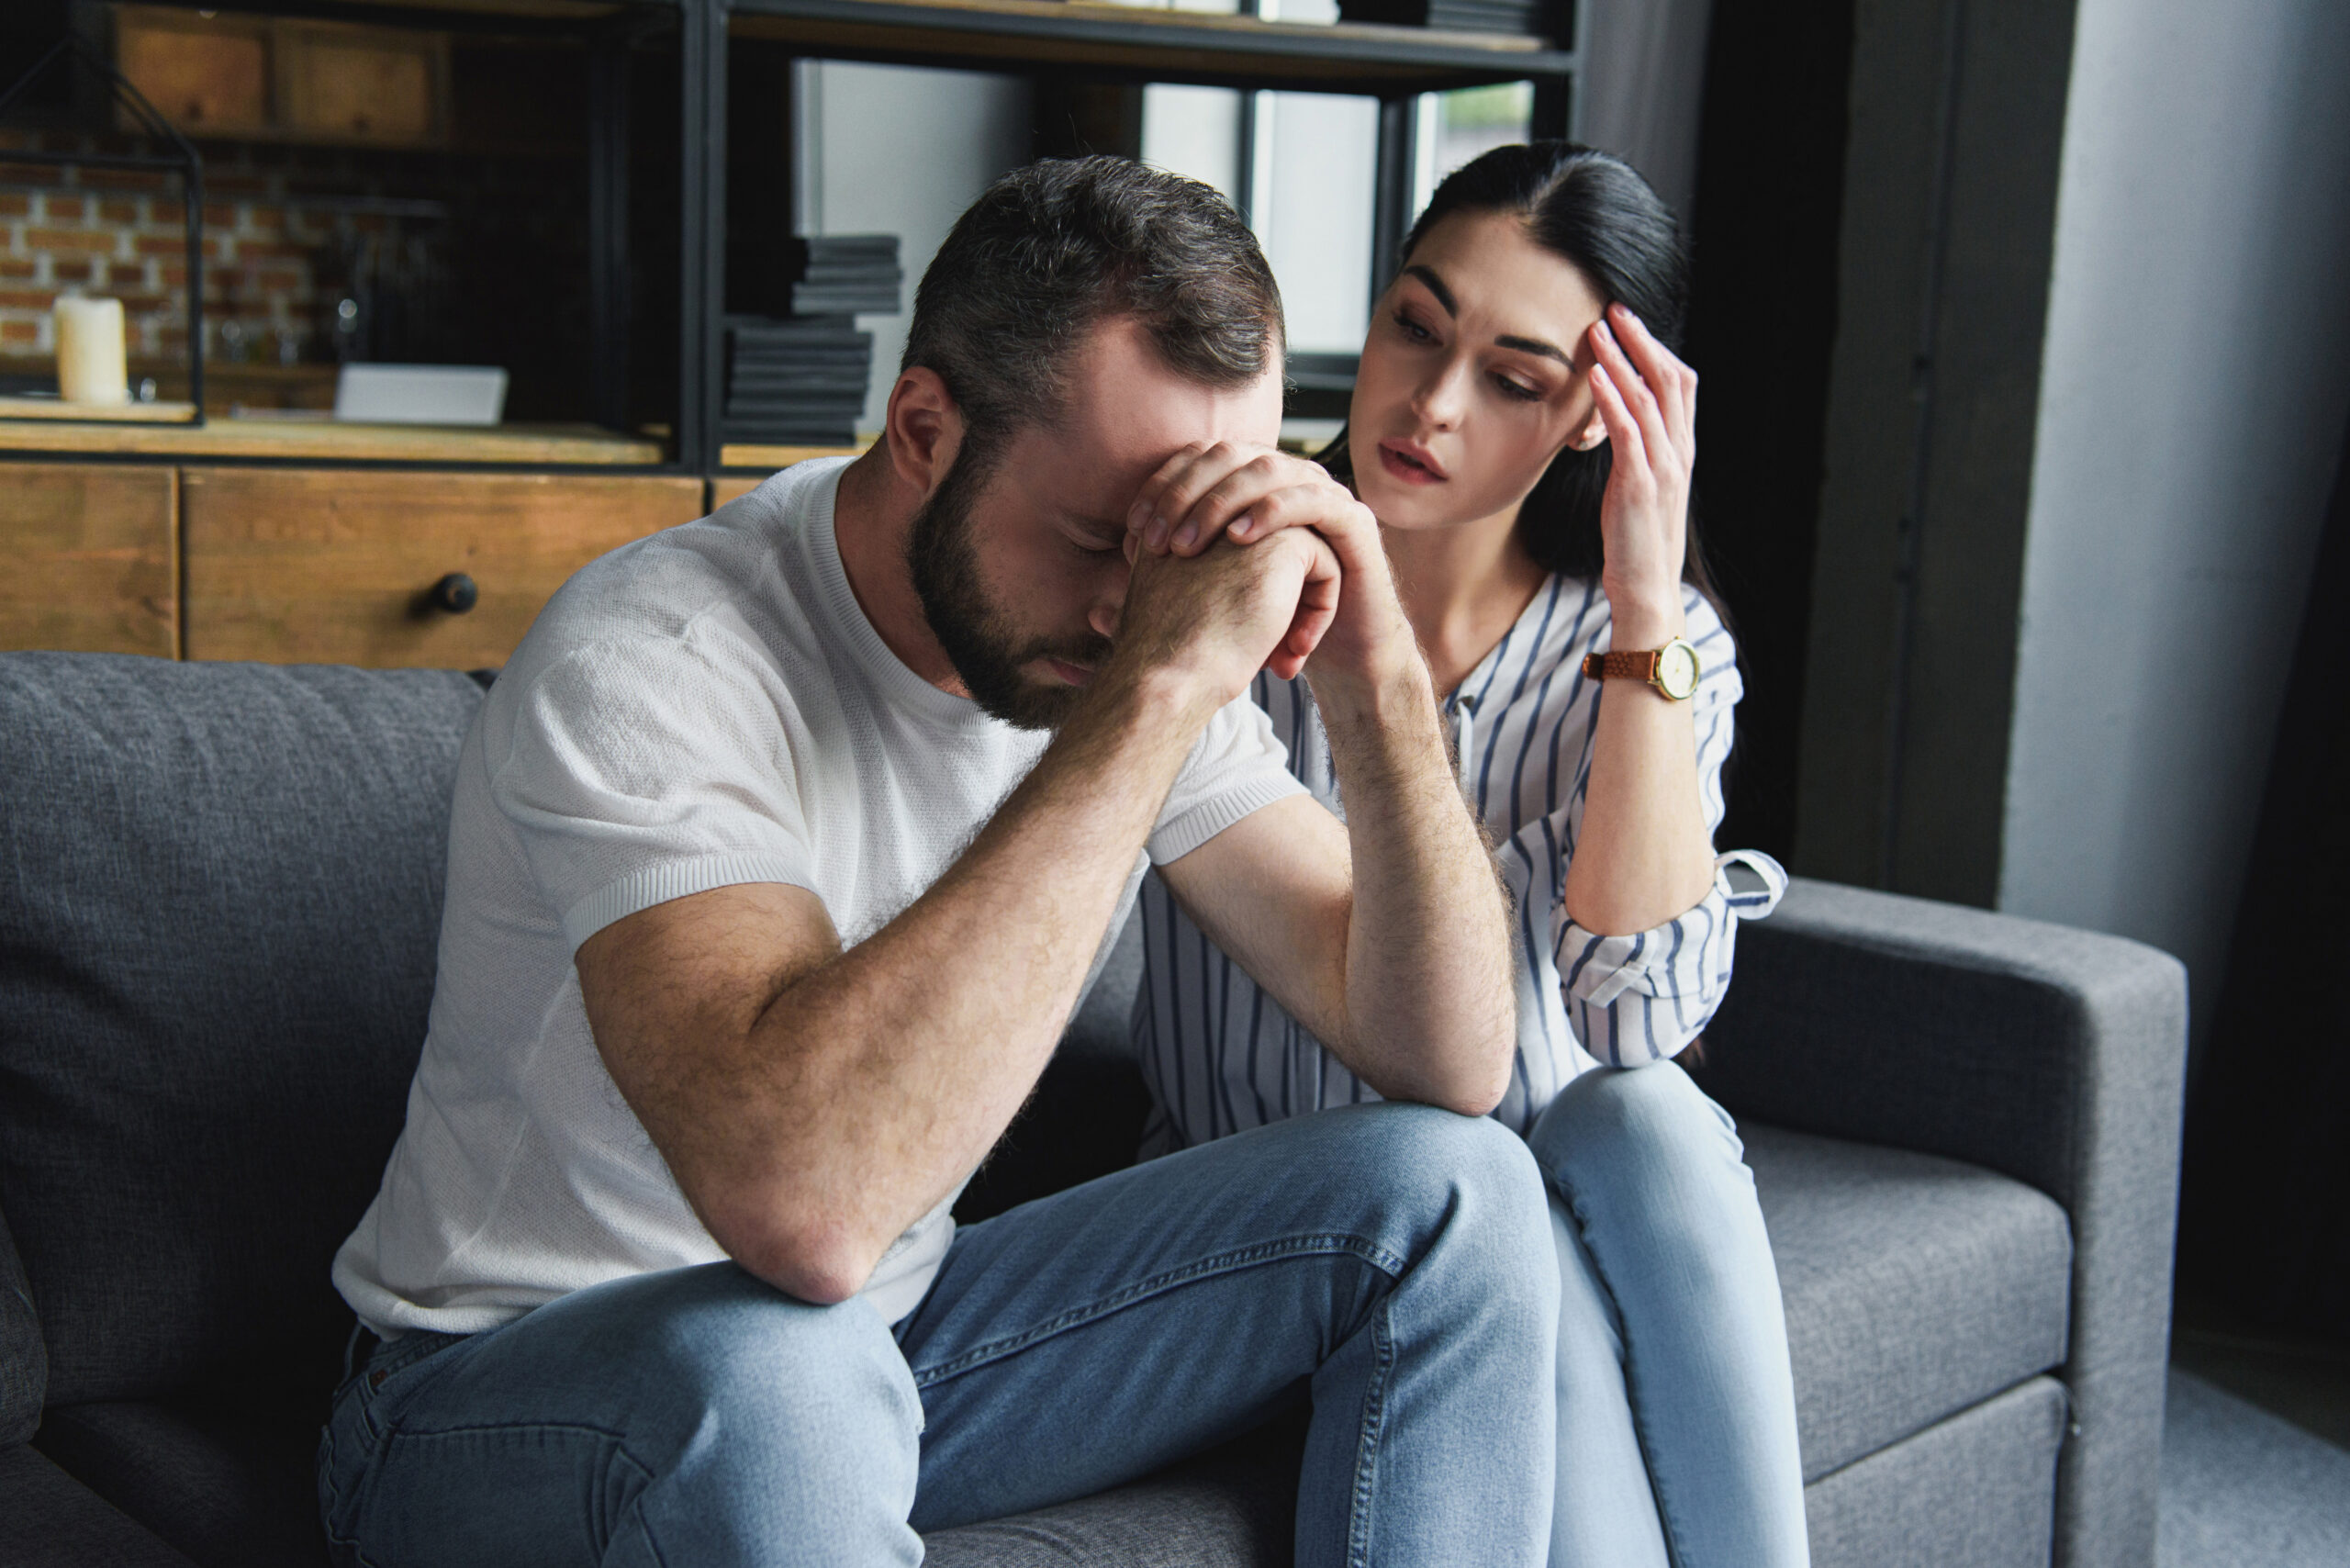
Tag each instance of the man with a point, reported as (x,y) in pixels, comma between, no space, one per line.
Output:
(778,856)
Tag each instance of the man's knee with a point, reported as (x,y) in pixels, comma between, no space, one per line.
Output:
(694,1415)
(762,1413)
(710,1370)
(1426,1170)
(1476,1147)
(777,1373)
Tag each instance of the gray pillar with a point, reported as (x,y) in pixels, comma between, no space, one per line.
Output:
(1951,178)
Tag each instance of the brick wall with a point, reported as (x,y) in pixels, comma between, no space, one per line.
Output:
(466,257)
(275,256)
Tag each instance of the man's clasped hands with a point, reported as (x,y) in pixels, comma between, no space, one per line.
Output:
(1253,558)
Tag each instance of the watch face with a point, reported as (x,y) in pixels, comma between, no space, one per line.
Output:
(1676,671)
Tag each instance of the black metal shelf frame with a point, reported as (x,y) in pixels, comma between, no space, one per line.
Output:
(1159,46)
(608,28)
(1394,65)
(72,51)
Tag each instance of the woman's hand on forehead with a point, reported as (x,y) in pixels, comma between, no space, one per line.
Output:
(1648,398)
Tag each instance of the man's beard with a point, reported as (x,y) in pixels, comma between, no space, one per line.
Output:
(980,643)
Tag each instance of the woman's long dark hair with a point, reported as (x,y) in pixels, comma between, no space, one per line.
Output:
(1593,211)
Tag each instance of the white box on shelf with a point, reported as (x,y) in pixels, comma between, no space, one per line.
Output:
(420,394)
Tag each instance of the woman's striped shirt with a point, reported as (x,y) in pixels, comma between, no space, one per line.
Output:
(1221,1055)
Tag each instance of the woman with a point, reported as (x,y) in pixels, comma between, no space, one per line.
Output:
(1524,435)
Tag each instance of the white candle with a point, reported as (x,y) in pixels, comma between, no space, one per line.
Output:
(90,362)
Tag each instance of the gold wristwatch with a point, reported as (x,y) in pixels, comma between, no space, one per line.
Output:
(1672,669)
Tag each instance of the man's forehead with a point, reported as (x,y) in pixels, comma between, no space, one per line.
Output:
(1127,407)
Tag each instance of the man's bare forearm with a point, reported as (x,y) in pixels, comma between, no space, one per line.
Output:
(877,1080)
(1431,1011)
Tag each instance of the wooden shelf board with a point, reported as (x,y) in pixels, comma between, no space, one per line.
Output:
(100,413)
(583,10)
(1161,43)
(327,439)
(519,10)
(747,455)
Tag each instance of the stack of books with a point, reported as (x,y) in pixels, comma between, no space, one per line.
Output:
(800,380)
(797,382)
(847,274)
(1536,17)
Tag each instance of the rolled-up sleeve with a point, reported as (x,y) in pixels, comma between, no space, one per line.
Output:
(1642,998)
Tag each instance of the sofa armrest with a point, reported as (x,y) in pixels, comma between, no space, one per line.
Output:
(2051,1055)
(47,1519)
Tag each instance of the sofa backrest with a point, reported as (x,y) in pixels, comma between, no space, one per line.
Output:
(219,899)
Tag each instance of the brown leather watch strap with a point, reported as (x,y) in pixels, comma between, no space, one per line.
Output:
(1620,667)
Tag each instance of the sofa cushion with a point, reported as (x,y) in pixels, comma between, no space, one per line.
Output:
(1976,1490)
(1915,1286)
(47,1519)
(1234,1507)
(219,899)
(229,1485)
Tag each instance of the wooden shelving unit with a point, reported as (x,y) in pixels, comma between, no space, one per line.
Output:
(1077,40)
(1062,40)
(294,538)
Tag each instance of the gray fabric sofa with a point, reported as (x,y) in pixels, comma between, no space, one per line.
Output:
(219,890)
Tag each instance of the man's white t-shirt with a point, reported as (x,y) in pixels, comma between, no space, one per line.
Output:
(705,707)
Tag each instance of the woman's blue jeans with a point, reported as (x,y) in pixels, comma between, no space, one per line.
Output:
(1392,1262)
(1674,1383)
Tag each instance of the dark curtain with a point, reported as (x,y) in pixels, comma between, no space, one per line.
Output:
(2264,1206)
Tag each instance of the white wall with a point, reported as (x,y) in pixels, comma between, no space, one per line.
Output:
(1314,181)
(1195,131)
(2194,379)
(1317,183)
(899,150)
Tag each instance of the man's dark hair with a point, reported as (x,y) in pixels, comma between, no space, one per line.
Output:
(1054,248)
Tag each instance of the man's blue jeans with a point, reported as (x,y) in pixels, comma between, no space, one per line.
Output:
(1393,1263)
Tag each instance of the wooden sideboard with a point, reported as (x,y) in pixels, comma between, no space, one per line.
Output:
(89,557)
(253,538)
(304,565)
(339,567)
(298,79)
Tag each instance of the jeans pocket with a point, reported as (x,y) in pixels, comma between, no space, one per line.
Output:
(342,1445)
(357,1428)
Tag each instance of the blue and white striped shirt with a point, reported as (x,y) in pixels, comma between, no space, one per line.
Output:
(1221,1055)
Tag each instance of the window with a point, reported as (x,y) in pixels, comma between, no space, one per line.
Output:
(1303,167)
(1455,128)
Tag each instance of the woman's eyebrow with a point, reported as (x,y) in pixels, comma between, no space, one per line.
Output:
(1427,274)
(1536,345)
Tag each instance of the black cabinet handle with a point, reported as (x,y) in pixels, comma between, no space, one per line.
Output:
(455,593)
